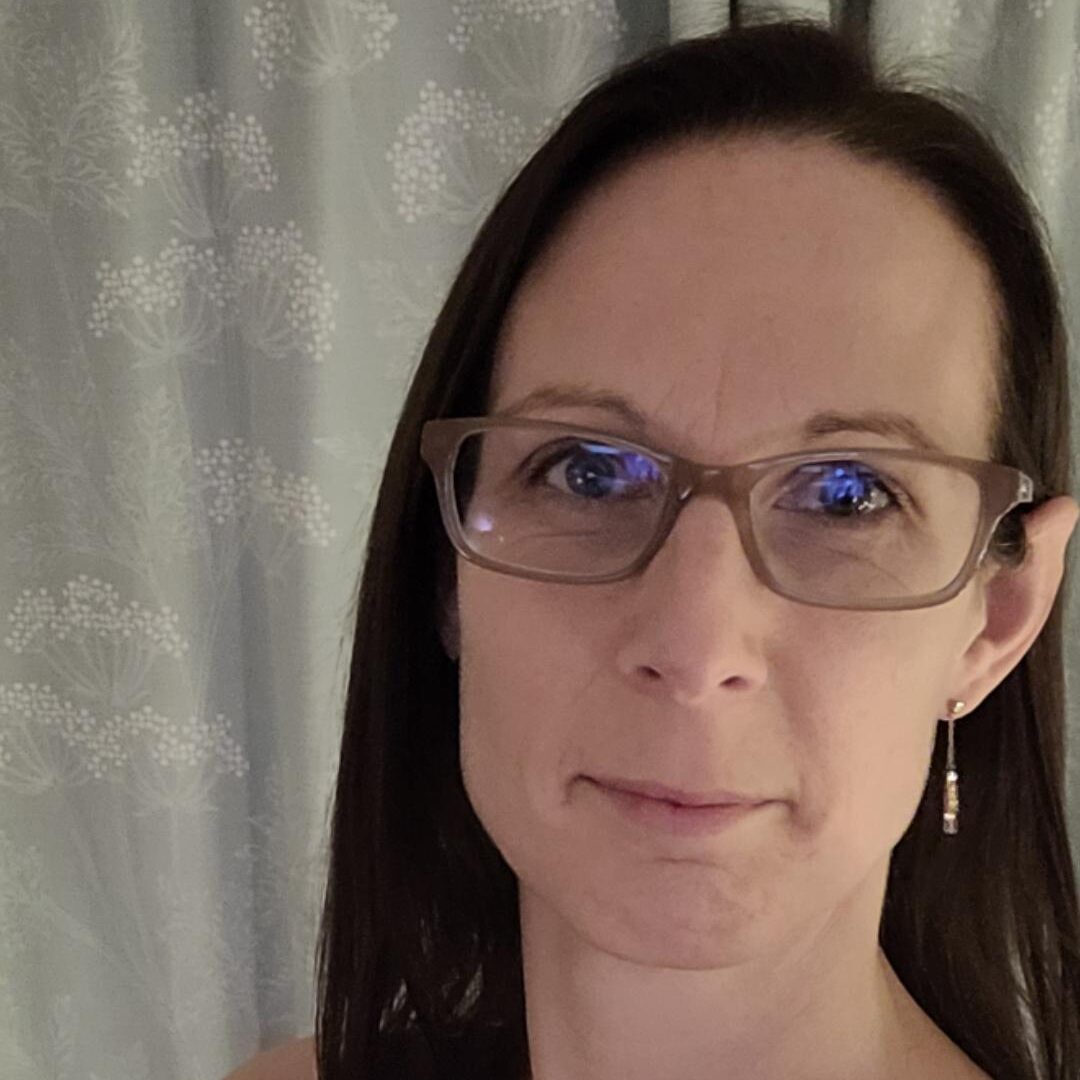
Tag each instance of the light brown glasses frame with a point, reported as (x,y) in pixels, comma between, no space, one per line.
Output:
(1003,487)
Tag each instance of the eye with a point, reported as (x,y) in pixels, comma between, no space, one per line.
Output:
(843,490)
(597,472)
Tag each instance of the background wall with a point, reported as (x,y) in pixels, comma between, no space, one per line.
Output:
(225,229)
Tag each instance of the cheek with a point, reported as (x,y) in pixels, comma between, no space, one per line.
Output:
(513,655)
(522,643)
(519,681)
(864,733)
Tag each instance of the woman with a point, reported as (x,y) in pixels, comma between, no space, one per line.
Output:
(743,248)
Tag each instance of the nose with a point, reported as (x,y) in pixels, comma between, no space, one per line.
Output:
(695,614)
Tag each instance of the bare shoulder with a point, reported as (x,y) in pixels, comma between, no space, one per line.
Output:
(294,1060)
(968,1070)
(954,1064)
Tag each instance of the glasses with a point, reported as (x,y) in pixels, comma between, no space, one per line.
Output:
(864,528)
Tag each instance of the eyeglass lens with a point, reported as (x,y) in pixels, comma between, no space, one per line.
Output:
(839,531)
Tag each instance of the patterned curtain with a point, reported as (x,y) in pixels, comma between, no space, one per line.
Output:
(225,229)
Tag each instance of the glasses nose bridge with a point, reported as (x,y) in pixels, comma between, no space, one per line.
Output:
(729,483)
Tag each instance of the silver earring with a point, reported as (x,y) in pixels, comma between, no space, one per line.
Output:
(952,777)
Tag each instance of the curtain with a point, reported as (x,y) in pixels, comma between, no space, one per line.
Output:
(225,229)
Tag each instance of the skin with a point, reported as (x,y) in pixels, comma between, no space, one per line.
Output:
(731,289)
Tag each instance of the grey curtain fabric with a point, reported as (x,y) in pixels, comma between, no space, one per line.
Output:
(225,229)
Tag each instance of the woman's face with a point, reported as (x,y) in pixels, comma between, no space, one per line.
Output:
(729,291)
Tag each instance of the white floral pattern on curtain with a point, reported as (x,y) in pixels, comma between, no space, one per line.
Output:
(225,229)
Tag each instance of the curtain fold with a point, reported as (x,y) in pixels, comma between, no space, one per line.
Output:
(225,230)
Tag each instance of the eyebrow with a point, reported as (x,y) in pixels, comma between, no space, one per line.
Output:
(829,422)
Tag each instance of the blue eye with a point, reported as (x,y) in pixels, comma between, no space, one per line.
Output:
(846,490)
(595,470)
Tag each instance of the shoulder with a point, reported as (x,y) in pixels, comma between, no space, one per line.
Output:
(294,1060)
(951,1063)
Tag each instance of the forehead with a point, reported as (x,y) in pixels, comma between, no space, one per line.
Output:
(732,289)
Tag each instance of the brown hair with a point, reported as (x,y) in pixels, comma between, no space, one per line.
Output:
(420,927)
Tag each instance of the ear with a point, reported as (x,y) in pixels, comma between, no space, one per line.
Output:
(1018,601)
(449,622)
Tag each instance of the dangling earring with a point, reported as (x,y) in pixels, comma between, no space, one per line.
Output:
(952,792)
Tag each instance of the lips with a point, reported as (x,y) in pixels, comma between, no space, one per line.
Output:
(677,796)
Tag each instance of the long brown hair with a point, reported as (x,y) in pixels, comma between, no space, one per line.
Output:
(420,929)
